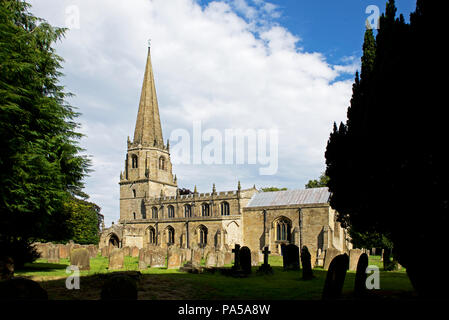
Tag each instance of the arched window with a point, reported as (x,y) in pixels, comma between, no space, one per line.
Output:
(152,235)
(170,235)
(171,211)
(154,213)
(134,161)
(225,209)
(283,230)
(144,215)
(202,236)
(162,163)
(187,210)
(205,210)
(134,193)
(134,215)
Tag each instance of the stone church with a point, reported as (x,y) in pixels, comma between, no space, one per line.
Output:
(153,213)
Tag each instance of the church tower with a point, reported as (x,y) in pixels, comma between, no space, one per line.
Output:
(148,169)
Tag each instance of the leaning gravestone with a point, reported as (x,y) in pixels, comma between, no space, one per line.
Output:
(307,273)
(245,260)
(360,276)
(21,289)
(336,277)
(80,258)
(119,287)
(330,254)
(116,259)
(354,255)
(291,257)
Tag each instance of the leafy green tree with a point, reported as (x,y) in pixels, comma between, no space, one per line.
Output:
(84,221)
(271,189)
(39,152)
(387,166)
(318,183)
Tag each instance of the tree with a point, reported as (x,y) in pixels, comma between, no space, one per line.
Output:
(271,189)
(39,153)
(84,221)
(387,168)
(318,183)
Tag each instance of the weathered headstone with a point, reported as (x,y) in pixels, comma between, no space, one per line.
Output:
(93,250)
(105,252)
(245,260)
(265,267)
(144,258)
(354,255)
(211,260)
(291,257)
(134,252)
(63,251)
(21,289)
(227,257)
(255,258)
(127,251)
(119,287)
(336,277)
(6,268)
(116,259)
(330,254)
(360,276)
(174,259)
(307,272)
(220,259)
(196,257)
(80,258)
(53,254)
(158,258)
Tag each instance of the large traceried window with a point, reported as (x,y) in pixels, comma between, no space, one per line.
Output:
(283,230)
(154,213)
(202,236)
(187,210)
(152,235)
(170,235)
(171,211)
(205,210)
(225,209)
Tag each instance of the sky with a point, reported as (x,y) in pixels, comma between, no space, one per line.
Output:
(284,66)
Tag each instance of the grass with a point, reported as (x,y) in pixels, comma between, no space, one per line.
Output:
(169,284)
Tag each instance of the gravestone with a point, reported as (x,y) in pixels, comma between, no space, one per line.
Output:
(158,258)
(116,259)
(220,259)
(236,252)
(6,268)
(21,289)
(245,259)
(227,257)
(187,254)
(144,258)
(291,257)
(211,260)
(127,251)
(53,254)
(80,258)
(330,254)
(313,257)
(307,272)
(119,287)
(105,252)
(134,252)
(174,259)
(335,277)
(360,276)
(63,251)
(265,267)
(42,249)
(196,257)
(255,258)
(93,250)
(354,255)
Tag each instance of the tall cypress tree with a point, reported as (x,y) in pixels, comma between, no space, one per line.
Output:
(39,154)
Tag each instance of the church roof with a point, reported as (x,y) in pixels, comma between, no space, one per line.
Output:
(148,130)
(290,197)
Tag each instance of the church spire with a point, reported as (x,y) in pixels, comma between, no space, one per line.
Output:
(148,130)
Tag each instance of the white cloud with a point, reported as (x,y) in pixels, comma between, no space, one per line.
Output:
(227,65)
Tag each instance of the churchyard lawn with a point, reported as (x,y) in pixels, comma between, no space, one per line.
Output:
(171,284)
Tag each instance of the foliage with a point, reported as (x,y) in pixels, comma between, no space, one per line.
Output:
(84,221)
(318,183)
(271,189)
(39,154)
(387,166)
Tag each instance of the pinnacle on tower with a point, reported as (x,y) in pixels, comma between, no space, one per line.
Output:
(148,130)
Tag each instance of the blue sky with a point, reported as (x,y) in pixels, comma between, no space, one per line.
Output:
(229,64)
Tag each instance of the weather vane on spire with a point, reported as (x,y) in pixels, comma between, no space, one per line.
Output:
(149,43)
